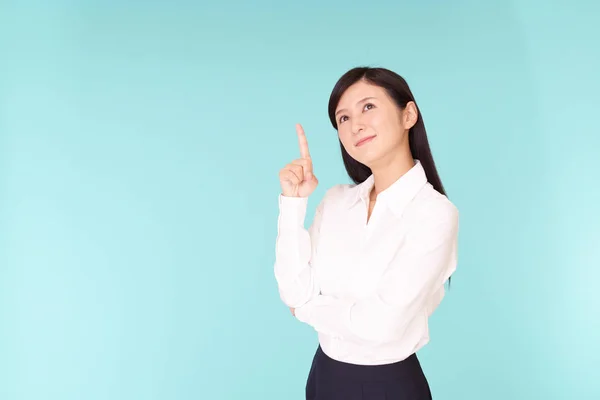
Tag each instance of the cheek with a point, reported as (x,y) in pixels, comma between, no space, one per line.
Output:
(389,129)
(379,122)
(348,143)
(345,136)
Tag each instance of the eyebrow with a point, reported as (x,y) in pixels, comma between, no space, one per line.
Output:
(362,100)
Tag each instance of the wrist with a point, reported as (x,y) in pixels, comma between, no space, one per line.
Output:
(292,211)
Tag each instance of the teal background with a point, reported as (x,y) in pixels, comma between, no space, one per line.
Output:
(140,145)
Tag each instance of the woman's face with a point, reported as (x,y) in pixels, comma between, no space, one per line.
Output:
(370,124)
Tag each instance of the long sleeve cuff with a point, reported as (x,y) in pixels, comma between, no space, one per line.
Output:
(292,211)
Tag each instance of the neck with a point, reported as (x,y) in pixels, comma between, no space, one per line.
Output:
(389,171)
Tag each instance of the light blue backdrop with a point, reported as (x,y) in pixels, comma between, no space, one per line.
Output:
(140,147)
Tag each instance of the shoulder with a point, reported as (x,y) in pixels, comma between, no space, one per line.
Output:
(338,193)
(335,198)
(431,209)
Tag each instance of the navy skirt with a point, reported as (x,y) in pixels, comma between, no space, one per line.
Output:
(330,379)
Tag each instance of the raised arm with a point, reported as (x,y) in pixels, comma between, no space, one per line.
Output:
(295,245)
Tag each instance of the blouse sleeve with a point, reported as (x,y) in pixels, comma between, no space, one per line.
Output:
(295,249)
(418,271)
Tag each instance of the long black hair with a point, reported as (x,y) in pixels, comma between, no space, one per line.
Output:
(399,91)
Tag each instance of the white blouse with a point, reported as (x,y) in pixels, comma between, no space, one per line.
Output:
(368,289)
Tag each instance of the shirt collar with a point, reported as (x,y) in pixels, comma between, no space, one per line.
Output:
(396,196)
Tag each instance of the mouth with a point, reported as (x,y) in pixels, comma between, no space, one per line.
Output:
(365,140)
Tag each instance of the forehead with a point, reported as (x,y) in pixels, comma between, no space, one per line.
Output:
(358,91)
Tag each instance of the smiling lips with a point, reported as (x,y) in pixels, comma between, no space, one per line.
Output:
(364,140)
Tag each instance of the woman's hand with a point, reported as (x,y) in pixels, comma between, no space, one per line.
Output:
(293,310)
(297,178)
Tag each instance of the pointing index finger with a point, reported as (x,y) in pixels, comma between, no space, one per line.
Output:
(304,153)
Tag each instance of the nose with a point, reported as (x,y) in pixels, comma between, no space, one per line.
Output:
(357,126)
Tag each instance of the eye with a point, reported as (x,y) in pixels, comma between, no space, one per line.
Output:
(342,119)
(369,106)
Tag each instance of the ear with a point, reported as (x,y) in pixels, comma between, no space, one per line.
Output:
(410,115)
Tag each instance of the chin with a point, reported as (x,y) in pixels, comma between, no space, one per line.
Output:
(367,155)
(367,160)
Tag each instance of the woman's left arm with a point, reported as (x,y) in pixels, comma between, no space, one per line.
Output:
(428,258)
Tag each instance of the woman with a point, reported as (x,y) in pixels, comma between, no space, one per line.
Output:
(371,268)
